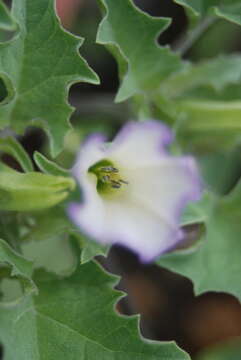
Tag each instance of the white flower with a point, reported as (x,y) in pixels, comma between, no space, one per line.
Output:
(134,190)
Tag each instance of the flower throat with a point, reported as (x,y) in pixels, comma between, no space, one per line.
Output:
(108,176)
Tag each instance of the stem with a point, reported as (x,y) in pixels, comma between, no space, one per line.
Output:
(186,41)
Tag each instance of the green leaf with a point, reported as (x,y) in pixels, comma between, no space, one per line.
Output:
(47,240)
(20,267)
(133,42)
(227,351)
(215,266)
(46,224)
(51,226)
(56,254)
(74,318)
(38,66)
(91,248)
(217,73)
(197,212)
(198,7)
(47,166)
(12,147)
(202,125)
(207,113)
(227,9)
(220,171)
(216,123)
(32,191)
(6,21)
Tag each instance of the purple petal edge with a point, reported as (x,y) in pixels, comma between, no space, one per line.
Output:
(197,188)
(145,259)
(73,211)
(179,238)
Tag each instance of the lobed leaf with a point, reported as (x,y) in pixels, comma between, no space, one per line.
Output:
(229,10)
(90,249)
(131,36)
(204,101)
(7,23)
(38,66)
(217,73)
(51,226)
(47,240)
(83,325)
(215,266)
(47,224)
(20,267)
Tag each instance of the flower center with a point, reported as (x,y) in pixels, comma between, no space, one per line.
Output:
(108,176)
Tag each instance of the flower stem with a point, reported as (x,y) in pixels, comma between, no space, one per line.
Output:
(187,41)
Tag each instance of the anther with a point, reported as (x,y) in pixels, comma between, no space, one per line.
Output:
(115,170)
(109,169)
(115,184)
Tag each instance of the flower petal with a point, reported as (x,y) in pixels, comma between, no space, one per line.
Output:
(89,215)
(139,229)
(166,188)
(144,215)
(127,224)
(140,144)
(92,151)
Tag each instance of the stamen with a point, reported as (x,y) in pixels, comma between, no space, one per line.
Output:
(115,184)
(108,176)
(115,170)
(123,181)
(109,169)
